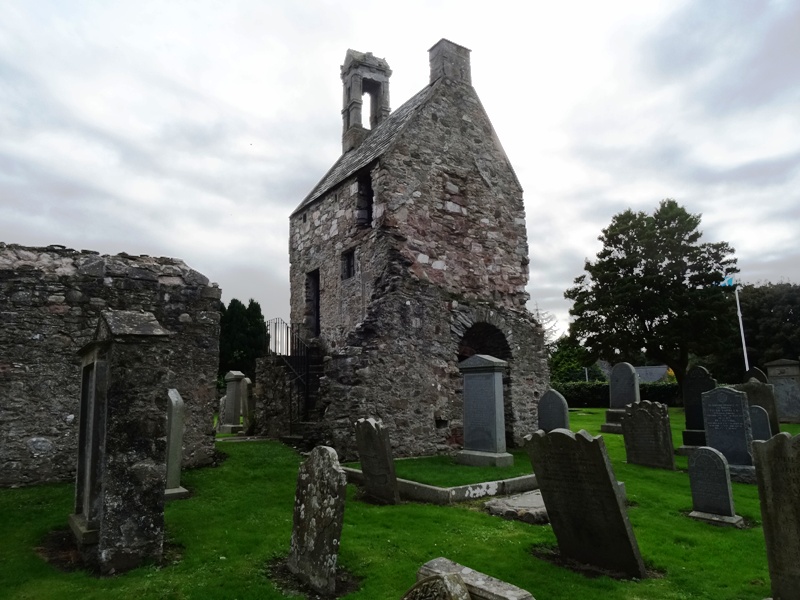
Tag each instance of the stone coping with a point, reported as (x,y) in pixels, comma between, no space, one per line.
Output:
(421,492)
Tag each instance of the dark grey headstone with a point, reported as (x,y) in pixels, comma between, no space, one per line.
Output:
(445,586)
(778,471)
(763,395)
(553,411)
(710,481)
(727,424)
(759,423)
(697,381)
(755,373)
(784,374)
(623,386)
(647,434)
(318,516)
(377,464)
(484,420)
(583,500)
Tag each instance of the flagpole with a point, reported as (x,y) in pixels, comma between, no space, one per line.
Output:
(741,328)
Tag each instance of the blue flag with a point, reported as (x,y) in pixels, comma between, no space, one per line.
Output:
(728,281)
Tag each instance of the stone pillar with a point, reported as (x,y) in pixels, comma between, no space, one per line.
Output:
(230,421)
(484,420)
(175,429)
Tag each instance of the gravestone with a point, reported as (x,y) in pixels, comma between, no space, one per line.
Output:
(484,420)
(118,519)
(759,423)
(784,374)
(230,419)
(778,472)
(763,395)
(479,585)
(317,523)
(175,427)
(377,464)
(697,381)
(755,373)
(623,389)
(647,435)
(553,411)
(727,423)
(449,586)
(583,500)
(248,407)
(710,481)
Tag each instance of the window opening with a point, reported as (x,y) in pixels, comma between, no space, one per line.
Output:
(312,303)
(348,264)
(365,199)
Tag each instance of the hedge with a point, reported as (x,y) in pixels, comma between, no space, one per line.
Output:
(582,394)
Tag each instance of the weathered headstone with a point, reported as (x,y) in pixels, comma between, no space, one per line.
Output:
(623,389)
(318,516)
(763,395)
(479,585)
(647,434)
(755,373)
(784,374)
(248,407)
(484,419)
(759,423)
(553,411)
(121,475)
(697,381)
(175,428)
(584,502)
(710,481)
(230,420)
(727,423)
(377,464)
(778,472)
(448,586)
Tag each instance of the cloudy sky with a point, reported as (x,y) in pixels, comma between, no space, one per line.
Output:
(193,129)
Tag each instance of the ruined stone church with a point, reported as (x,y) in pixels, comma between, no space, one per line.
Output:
(411,255)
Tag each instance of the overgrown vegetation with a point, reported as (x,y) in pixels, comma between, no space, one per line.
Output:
(240,517)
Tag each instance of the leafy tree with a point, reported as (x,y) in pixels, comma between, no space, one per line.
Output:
(243,337)
(568,361)
(654,288)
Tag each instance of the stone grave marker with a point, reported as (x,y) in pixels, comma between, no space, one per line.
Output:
(778,473)
(479,585)
(763,395)
(553,411)
(727,423)
(484,419)
(697,381)
(377,464)
(446,586)
(231,419)
(584,502)
(784,374)
(623,389)
(710,481)
(317,523)
(647,434)
(759,423)
(122,443)
(248,407)
(175,427)
(755,373)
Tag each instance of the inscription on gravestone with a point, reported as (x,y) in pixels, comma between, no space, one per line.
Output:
(727,424)
(648,436)
(710,481)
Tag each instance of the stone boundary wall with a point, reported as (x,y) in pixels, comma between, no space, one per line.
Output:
(50,300)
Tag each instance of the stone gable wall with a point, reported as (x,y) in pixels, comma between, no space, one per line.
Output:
(50,300)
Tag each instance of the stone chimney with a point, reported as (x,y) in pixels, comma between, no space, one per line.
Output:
(363,74)
(451,61)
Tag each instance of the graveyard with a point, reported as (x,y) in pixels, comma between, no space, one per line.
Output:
(222,540)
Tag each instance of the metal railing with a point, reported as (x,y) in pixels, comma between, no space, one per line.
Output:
(286,343)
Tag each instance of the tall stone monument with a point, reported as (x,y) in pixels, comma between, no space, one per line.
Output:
(648,436)
(784,374)
(698,380)
(553,411)
(118,520)
(377,464)
(584,501)
(230,418)
(484,420)
(623,388)
(778,471)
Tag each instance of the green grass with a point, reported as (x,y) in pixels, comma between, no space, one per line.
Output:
(240,517)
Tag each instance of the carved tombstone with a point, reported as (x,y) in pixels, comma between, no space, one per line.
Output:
(648,437)
(623,389)
(230,419)
(778,473)
(727,424)
(759,423)
(697,381)
(784,374)
(449,586)
(583,500)
(377,464)
(175,428)
(710,481)
(121,472)
(484,419)
(763,395)
(553,411)
(318,516)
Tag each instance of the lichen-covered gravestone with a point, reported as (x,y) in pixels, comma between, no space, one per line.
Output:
(231,411)
(763,395)
(318,516)
(697,381)
(623,389)
(479,585)
(727,423)
(175,428)
(448,586)
(778,472)
(584,502)
(648,436)
(377,464)
(553,411)
(710,481)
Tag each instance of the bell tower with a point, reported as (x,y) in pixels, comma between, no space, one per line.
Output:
(363,73)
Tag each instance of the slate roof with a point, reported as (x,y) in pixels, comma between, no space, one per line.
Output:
(374,145)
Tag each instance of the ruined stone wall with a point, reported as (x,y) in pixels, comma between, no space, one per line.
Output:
(50,300)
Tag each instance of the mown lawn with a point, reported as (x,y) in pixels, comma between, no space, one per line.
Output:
(240,517)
